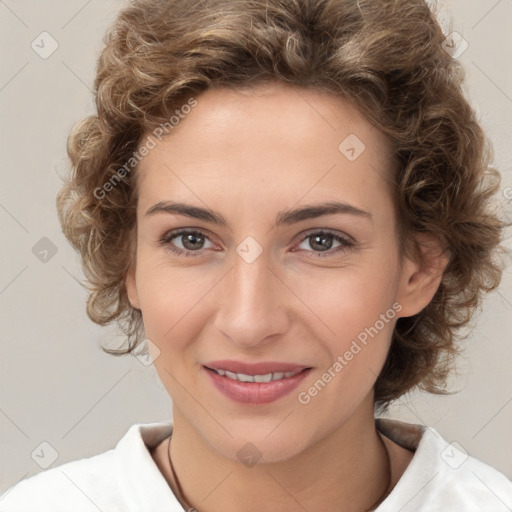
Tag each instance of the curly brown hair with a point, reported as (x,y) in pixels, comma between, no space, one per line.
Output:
(384,56)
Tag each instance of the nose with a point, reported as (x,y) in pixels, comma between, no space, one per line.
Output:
(252,303)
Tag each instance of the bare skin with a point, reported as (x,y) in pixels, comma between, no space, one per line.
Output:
(248,157)
(400,459)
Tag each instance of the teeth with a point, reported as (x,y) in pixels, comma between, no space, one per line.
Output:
(242,377)
(263,378)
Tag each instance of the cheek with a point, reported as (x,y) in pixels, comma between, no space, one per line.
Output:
(170,301)
(348,300)
(358,314)
(341,302)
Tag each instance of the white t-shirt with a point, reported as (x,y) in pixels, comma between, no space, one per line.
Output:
(440,476)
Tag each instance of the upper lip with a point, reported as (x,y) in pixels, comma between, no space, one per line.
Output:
(262,368)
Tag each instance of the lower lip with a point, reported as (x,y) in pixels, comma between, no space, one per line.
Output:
(256,392)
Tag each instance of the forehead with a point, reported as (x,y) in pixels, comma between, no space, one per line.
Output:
(278,139)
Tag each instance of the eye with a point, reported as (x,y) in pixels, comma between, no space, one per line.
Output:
(192,242)
(323,241)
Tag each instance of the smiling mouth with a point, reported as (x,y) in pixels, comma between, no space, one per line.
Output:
(267,377)
(262,384)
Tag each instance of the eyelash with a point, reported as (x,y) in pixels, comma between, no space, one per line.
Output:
(165,242)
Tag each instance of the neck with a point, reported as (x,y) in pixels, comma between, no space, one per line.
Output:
(348,470)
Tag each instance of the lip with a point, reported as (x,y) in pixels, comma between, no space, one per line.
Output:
(254,368)
(255,393)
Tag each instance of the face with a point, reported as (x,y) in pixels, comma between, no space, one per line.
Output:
(238,280)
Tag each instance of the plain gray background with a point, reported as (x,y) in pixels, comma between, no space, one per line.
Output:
(56,385)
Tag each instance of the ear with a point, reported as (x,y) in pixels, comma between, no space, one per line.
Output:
(131,287)
(130,281)
(420,277)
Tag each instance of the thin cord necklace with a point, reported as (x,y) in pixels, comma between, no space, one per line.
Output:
(176,481)
(372,508)
(387,490)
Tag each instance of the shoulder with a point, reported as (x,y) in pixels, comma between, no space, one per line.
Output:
(106,481)
(466,483)
(78,482)
(443,476)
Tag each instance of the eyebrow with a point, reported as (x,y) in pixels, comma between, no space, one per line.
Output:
(286,217)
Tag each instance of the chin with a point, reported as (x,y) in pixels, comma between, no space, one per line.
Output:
(255,446)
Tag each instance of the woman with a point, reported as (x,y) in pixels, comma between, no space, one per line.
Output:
(290,203)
